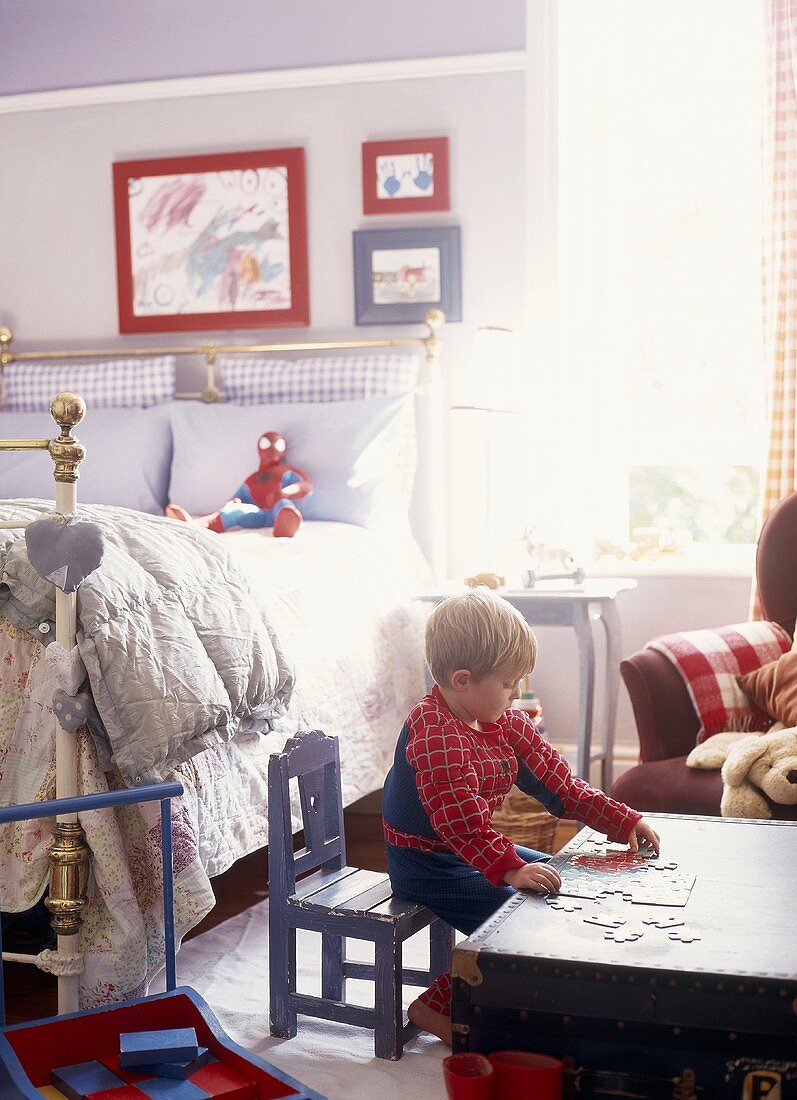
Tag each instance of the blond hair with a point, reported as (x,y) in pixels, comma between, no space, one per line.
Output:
(479,632)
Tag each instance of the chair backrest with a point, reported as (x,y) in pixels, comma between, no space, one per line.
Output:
(313,758)
(776,564)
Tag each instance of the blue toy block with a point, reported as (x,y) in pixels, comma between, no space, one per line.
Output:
(79,1081)
(180,1071)
(144,1048)
(161,1088)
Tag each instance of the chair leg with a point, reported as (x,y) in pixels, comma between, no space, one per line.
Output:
(441,944)
(333,949)
(282,977)
(389,1026)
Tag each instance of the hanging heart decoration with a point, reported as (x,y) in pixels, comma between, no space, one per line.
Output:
(64,551)
(71,711)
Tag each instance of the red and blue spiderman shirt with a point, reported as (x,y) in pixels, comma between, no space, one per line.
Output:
(447,779)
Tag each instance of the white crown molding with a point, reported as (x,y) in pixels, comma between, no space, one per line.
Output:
(321,76)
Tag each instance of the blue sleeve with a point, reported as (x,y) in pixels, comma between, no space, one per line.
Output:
(529,783)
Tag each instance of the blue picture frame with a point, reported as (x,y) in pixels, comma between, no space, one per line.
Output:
(400,274)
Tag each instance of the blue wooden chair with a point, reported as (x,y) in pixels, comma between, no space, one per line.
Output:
(338,901)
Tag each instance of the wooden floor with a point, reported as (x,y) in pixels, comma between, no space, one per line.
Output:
(31,994)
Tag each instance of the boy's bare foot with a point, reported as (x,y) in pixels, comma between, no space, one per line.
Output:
(427,1019)
(174,511)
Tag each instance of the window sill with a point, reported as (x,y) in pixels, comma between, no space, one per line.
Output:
(697,561)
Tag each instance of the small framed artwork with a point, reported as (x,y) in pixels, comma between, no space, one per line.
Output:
(400,273)
(405,177)
(212,242)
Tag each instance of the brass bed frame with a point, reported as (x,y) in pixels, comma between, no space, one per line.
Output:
(433,319)
(69,855)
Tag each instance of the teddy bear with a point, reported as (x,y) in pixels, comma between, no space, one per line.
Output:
(753,765)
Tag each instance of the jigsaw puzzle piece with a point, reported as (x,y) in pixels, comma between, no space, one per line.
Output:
(566,905)
(603,920)
(623,935)
(684,935)
(665,920)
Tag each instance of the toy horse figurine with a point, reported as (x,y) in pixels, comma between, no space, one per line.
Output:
(265,498)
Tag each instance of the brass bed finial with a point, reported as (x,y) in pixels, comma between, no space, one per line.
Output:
(6,336)
(67,410)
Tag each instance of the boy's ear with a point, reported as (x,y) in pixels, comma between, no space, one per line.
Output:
(460,679)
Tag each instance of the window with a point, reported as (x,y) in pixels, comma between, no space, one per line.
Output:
(662,381)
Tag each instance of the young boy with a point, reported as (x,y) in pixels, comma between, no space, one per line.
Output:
(457,756)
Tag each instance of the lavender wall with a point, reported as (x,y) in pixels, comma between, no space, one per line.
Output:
(79,43)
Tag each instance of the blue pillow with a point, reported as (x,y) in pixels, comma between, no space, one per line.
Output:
(128,454)
(360,455)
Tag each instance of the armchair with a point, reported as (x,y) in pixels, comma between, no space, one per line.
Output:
(667,723)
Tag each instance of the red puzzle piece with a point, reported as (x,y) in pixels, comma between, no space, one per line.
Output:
(611,863)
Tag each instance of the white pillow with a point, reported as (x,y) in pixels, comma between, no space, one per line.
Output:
(360,455)
(128,453)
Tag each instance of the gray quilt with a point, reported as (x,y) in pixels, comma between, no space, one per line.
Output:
(178,653)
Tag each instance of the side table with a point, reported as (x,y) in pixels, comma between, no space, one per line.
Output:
(577,607)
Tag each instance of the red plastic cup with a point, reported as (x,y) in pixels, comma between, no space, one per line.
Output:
(468,1077)
(518,1073)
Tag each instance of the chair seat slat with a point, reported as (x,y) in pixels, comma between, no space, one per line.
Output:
(366,901)
(397,907)
(319,879)
(339,893)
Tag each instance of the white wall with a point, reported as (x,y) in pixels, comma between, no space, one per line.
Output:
(58,279)
(660,604)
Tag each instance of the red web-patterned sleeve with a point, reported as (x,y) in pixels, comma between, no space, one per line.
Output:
(581,801)
(448,787)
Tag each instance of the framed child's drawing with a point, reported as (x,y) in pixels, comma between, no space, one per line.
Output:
(405,177)
(212,242)
(401,273)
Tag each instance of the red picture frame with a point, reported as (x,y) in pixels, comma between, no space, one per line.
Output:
(217,241)
(405,177)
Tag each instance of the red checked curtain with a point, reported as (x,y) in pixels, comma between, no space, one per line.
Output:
(779,269)
(780,250)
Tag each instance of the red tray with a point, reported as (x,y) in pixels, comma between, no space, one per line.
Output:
(30,1051)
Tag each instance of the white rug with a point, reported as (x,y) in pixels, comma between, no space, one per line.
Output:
(228,966)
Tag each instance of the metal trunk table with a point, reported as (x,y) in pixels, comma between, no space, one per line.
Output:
(703,980)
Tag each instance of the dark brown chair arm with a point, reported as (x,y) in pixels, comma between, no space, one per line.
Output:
(666,721)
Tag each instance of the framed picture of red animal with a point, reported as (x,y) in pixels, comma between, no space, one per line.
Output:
(399,274)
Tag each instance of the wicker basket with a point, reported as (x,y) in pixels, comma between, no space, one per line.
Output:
(526,821)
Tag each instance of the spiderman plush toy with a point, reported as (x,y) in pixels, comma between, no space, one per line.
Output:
(264,499)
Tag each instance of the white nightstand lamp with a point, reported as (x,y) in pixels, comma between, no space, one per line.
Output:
(486,425)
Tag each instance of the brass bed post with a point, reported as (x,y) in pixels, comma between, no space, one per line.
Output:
(69,854)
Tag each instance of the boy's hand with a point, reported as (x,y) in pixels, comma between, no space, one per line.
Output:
(643,833)
(534,876)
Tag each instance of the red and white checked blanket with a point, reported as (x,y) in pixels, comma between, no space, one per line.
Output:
(709,662)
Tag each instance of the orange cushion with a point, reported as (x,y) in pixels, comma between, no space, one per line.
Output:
(774,688)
